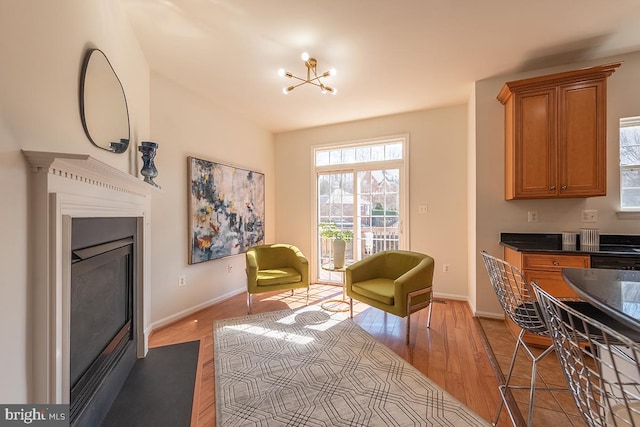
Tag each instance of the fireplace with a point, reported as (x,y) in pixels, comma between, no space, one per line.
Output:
(102,316)
(86,215)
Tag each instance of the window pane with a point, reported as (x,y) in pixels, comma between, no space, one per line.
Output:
(322,158)
(377,152)
(335,157)
(335,205)
(630,198)
(630,178)
(380,217)
(348,156)
(393,151)
(630,188)
(362,154)
(630,145)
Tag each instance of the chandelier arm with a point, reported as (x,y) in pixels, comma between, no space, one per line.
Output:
(319,84)
(317,78)
(314,81)
(298,78)
(304,82)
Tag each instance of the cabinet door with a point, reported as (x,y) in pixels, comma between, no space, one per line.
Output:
(582,139)
(550,281)
(535,144)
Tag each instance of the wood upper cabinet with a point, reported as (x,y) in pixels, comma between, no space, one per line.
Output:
(555,134)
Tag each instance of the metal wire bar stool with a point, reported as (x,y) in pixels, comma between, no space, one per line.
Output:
(519,304)
(599,362)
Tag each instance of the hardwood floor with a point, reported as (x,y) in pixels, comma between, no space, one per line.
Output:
(451,352)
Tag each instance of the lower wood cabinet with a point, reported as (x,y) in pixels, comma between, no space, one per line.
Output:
(546,271)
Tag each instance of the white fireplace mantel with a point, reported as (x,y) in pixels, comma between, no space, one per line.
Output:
(65,186)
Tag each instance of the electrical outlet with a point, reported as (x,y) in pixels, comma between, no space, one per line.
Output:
(182,281)
(446,268)
(229,268)
(423,209)
(533,216)
(589,216)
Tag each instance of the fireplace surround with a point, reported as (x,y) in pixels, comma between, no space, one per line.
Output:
(63,187)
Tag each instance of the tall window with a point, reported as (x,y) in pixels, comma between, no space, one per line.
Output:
(361,187)
(630,163)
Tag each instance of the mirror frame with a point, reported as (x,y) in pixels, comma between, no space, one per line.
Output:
(122,145)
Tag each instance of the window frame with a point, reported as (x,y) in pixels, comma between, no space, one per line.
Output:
(623,123)
(401,164)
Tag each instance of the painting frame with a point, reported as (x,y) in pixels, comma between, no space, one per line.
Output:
(226,211)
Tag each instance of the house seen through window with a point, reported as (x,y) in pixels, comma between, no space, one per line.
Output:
(630,163)
(360,188)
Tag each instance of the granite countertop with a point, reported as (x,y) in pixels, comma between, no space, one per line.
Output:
(616,292)
(552,243)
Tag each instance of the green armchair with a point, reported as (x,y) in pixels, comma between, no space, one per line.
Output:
(275,267)
(397,282)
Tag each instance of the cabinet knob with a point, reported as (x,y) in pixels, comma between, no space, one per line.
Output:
(564,187)
(553,187)
(556,263)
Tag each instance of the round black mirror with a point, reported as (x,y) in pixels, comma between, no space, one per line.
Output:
(103,106)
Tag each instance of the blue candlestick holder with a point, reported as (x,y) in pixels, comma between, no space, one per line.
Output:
(149,170)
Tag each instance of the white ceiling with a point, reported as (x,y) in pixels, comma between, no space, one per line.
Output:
(392,56)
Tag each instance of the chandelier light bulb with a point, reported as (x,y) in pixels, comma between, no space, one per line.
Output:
(332,72)
(305,56)
(281,72)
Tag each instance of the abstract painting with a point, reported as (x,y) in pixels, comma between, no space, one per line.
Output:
(226,210)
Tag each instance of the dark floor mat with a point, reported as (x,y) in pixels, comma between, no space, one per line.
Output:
(159,390)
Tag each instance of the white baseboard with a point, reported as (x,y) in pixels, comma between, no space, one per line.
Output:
(450,296)
(490,315)
(184,313)
(486,314)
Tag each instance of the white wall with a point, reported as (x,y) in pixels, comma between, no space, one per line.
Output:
(42,44)
(495,215)
(472,226)
(438,178)
(184,124)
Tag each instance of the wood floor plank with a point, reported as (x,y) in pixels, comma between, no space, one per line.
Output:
(450,353)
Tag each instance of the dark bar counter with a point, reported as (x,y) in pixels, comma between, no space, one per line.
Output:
(610,244)
(616,292)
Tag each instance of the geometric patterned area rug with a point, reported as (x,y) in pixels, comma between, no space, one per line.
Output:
(309,367)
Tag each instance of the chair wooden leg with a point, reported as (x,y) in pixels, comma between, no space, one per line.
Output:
(307,295)
(429,316)
(408,328)
(249,302)
(350,307)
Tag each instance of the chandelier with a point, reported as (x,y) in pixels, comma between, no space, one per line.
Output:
(312,76)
